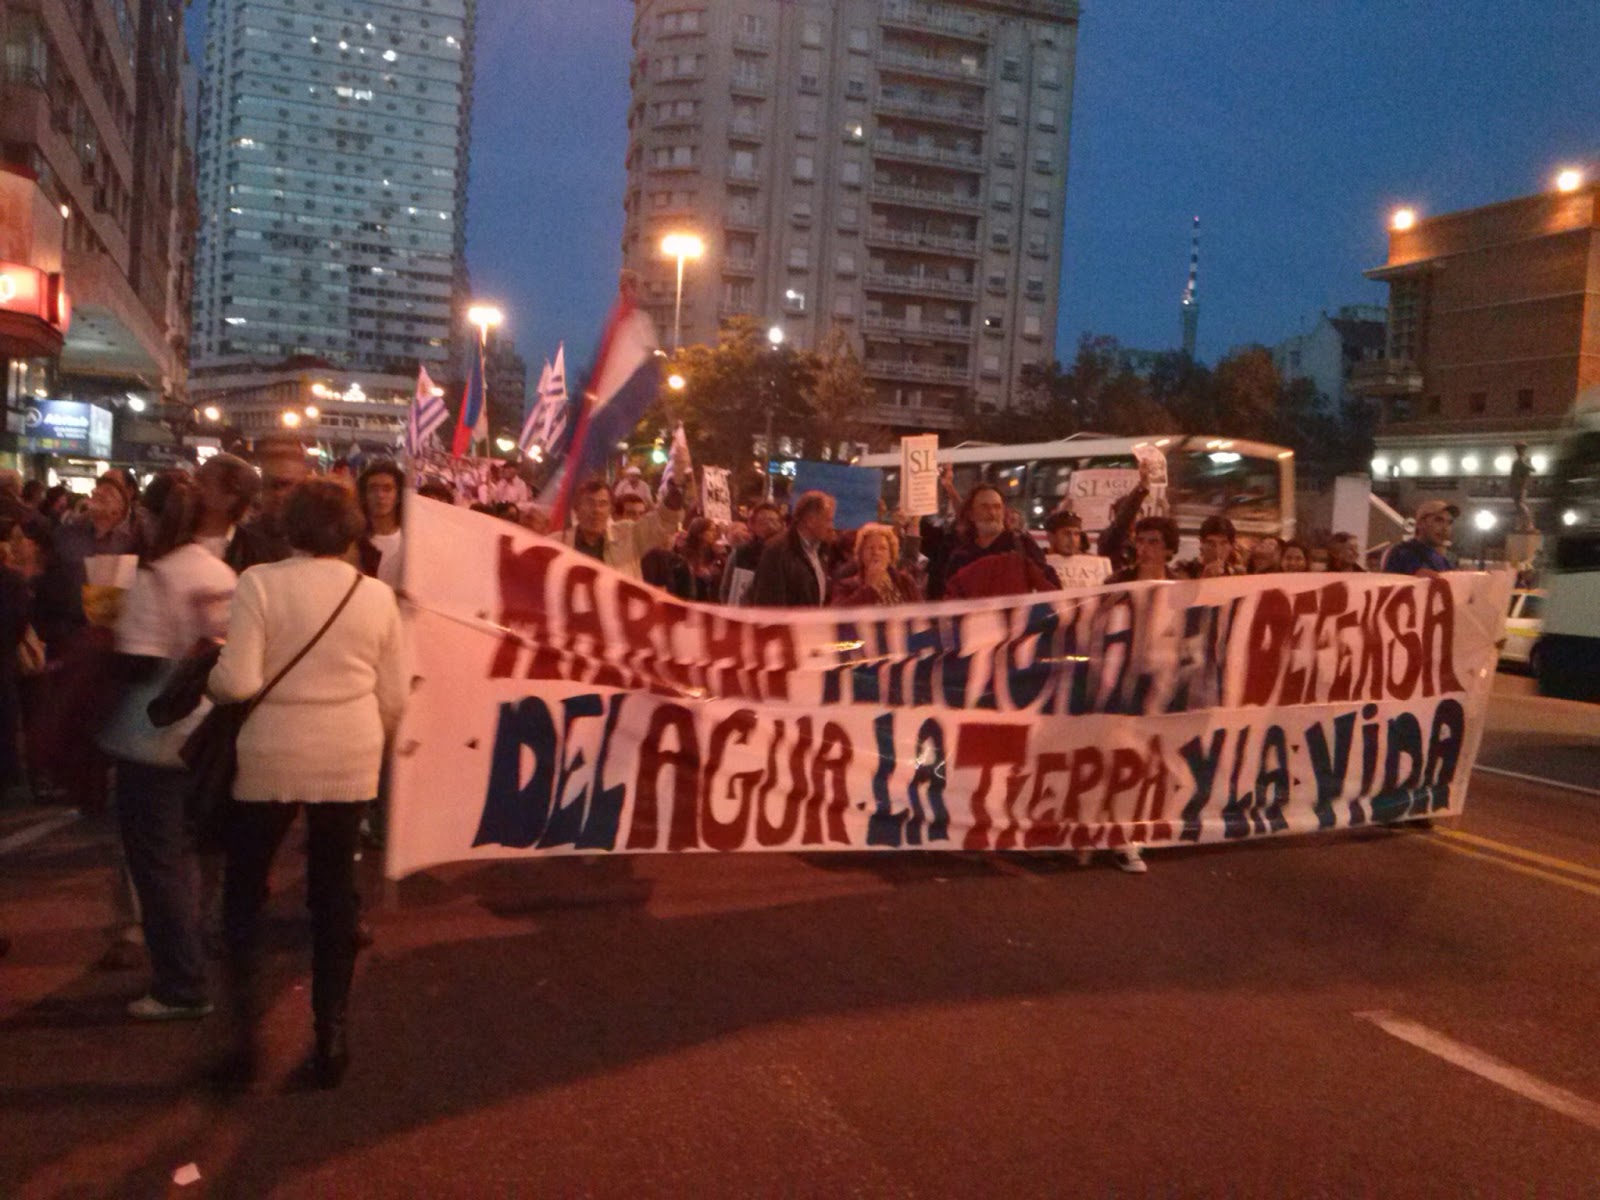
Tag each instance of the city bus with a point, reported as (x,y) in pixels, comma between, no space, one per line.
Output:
(1252,483)
(1567,655)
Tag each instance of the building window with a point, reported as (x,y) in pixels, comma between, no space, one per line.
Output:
(1049,73)
(1034,287)
(1032,327)
(844,263)
(1400,408)
(1000,239)
(994,323)
(997,282)
(680,22)
(752,27)
(811,33)
(849,216)
(1524,399)
(804,166)
(794,300)
(844,305)
(1005,153)
(856,88)
(1040,203)
(1044,161)
(810,85)
(800,214)
(1037,247)
(799,258)
(850,174)
(1002,195)
(743,165)
(1010,68)
(1478,403)
(860,41)
(1008,111)
(990,365)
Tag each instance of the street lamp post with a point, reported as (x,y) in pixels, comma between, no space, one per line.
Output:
(485,317)
(775,339)
(681,246)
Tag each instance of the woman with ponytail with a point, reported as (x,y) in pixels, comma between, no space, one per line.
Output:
(180,596)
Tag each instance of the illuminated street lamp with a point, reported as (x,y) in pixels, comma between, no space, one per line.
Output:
(775,340)
(312,412)
(485,317)
(1403,219)
(676,382)
(681,246)
(290,419)
(211,413)
(1569,179)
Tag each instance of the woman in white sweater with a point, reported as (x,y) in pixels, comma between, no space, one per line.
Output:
(316,742)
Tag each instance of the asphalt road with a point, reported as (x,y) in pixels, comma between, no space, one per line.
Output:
(1383,1013)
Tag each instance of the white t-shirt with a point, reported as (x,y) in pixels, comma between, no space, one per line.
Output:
(392,547)
(175,602)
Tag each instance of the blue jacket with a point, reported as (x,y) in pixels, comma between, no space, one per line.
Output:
(1413,555)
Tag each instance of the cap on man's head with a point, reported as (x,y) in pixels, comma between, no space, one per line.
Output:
(1062,520)
(1432,508)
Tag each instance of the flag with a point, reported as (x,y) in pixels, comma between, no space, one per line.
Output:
(473,422)
(428,412)
(626,376)
(679,452)
(546,420)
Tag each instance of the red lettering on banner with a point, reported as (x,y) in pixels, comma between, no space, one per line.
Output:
(1088,769)
(1439,638)
(1302,656)
(522,609)
(1044,828)
(985,746)
(1401,617)
(728,835)
(769,833)
(684,763)
(829,773)
(1271,629)
(580,598)
(1127,771)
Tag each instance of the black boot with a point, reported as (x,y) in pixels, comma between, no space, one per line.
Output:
(333,1053)
(240,1064)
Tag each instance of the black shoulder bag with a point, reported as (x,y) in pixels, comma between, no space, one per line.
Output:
(211,752)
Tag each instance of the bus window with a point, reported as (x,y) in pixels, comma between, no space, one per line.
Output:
(1244,489)
(1047,485)
(1011,479)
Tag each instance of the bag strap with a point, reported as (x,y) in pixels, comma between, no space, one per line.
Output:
(307,648)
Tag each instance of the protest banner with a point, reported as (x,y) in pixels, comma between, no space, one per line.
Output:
(855,490)
(919,475)
(560,707)
(716,496)
(1094,492)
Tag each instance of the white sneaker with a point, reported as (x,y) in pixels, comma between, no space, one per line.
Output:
(1131,859)
(148,1008)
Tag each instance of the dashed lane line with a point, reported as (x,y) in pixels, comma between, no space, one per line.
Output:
(1486,1066)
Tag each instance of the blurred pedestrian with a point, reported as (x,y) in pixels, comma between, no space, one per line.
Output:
(1218,551)
(1425,551)
(281,459)
(764,522)
(620,544)
(988,560)
(1344,553)
(879,578)
(792,571)
(1296,558)
(329,641)
(180,596)
(1069,555)
(228,489)
(1155,541)
(381,489)
(1266,555)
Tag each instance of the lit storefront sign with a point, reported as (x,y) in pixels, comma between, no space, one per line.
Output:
(68,427)
(34,311)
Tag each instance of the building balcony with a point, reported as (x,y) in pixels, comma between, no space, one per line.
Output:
(744,174)
(969,116)
(921,285)
(747,84)
(894,148)
(916,372)
(911,416)
(931,330)
(746,131)
(741,222)
(738,266)
(936,68)
(1386,377)
(907,14)
(729,309)
(924,198)
(914,240)
(756,43)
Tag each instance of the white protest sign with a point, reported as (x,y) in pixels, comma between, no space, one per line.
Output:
(1080,570)
(919,475)
(1154,463)
(716,498)
(1095,491)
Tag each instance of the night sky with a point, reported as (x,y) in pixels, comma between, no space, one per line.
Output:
(1290,128)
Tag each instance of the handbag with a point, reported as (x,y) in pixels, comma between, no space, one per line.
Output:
(185,687)
(211,752)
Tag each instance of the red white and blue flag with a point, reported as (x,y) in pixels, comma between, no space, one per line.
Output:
(473,424)
(626,378)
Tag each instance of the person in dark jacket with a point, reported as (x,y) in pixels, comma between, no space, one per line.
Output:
(1155,541)
(765,522)
(1424,553)
(1344,553)
(792,572)
(281,458)
(984,535)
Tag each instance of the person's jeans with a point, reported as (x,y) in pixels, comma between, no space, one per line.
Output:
(161,859)
(254,833)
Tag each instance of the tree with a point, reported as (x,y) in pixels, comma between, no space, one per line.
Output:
(840,398)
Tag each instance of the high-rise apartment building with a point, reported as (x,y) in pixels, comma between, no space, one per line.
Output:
(1493,331)
(97,202)
(334,141)
(895,167)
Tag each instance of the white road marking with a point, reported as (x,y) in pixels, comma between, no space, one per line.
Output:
(34,832)
(1555,783)
(1513,1079)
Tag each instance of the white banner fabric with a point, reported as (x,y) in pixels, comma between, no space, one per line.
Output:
(562,708)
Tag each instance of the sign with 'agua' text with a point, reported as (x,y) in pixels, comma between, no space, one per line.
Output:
(562,708)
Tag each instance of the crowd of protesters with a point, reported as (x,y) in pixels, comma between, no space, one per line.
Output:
(288,583)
